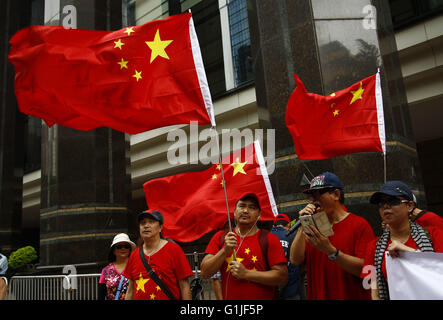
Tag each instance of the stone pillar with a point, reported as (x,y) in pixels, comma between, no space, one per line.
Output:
(14,15)
(330,45)
(85,190)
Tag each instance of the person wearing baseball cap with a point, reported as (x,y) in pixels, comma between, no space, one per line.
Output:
(165,258)
(112,284)
(395,202)
(334,263)
(259,265)
(292,290)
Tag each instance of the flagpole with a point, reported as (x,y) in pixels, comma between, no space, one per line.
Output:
(385,151)
(224,186)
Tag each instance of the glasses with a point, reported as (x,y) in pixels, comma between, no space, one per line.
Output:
(123,246)
(390,202)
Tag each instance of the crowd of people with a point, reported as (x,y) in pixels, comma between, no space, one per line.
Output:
(256,264)
(251,263)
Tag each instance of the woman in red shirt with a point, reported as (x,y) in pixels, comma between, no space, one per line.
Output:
(394,201)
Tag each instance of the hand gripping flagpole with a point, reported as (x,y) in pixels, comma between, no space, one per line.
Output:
(224,185)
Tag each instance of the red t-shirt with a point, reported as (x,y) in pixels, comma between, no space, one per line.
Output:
(435,234)
(430,219)
(249,253)
(169,263)
(326,279)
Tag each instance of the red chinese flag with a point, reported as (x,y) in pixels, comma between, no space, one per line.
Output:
(133,80)
(194,204)
(347,121)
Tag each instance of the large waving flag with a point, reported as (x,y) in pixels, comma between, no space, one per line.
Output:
(194,204)
(347,121)
(133,80)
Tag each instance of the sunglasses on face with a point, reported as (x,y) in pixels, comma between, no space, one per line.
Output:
(123,246)
(390,202)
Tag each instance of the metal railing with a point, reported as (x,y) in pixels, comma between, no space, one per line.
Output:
(68,287)
(53,287)
(81,286)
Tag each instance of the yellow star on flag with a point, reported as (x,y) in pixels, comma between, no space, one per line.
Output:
(247,251)
(158,46)
(228,260)
(219,167)
(118,44)
(238,167)
(123,64)
(335,113)
(141,283)
(357,94)
(254,258)
(129,30)
(214,176)
(158,288)
(152,296)
(137,75)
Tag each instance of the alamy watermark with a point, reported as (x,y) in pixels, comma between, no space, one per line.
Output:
(70,281)
(188,148)
(370,280)
(370,20)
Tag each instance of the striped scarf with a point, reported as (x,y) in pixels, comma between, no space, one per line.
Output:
(421,238)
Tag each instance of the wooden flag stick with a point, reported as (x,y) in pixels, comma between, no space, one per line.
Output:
(224,187)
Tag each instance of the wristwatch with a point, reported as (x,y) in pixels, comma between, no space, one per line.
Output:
(333,256)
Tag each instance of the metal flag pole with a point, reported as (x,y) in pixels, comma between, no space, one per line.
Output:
(224,185)
(385,151)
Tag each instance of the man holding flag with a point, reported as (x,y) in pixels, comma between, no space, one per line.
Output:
(251,260)
(194,203)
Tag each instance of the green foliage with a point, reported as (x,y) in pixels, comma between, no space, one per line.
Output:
(22,257)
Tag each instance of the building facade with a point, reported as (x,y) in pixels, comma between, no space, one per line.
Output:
(68,193)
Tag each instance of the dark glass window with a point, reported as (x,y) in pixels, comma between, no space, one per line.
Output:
(33,141)
(128,13)
(33,125)
(206,16)
(405,12)
(240,41)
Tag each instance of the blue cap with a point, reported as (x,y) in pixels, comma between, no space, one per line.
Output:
(154,214)
(393,188)
(324,180)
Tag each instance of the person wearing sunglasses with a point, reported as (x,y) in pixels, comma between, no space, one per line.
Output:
(422,217)
(334,263)
(395,203)
(112,284)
